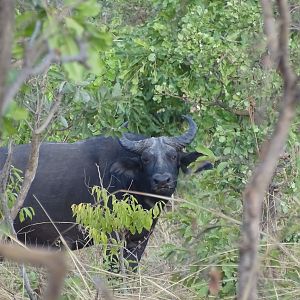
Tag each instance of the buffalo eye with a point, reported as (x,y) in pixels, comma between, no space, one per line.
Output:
(146,158)
(173,156)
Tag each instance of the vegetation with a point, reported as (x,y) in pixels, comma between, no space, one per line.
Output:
(149,62)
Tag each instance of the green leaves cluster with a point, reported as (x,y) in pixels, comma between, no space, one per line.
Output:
(110,215)
(204,58)
(12,191)
(208,225)
(14,185)
(65,27)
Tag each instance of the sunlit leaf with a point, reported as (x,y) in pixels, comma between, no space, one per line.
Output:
(73,24)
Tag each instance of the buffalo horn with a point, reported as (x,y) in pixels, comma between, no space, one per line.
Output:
(134,146)
(177,142)
(184,139)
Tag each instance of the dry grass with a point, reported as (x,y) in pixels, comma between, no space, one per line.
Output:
(155,277)
(152,281)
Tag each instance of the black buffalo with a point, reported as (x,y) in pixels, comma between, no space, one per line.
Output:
(67,170)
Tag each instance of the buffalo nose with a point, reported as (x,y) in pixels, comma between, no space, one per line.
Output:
(161,179)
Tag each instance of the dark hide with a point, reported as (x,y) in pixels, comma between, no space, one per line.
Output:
(67,171)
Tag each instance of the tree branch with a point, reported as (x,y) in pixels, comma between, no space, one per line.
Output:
(50,116)
(262,174)
(34,154)
(283,42)
(53,261)
(6,32)
(30,67)
(29,174)
(237,112)
(270,28)
(4,175)
(7,215)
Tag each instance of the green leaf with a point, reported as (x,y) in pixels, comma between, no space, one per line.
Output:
(152,57)
(22,215)
(227,150)
(222,139)
(156,211)
(206,151)
(95,64)
(27,212)
(16,112)
(75,70)
(88,8)
(74,25)
(63,121)
(7,126)
(141,42)
(117,91)
(221,166)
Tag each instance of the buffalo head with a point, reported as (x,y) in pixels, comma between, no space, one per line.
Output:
(157,160)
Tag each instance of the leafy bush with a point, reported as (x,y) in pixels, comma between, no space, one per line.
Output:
(113,217)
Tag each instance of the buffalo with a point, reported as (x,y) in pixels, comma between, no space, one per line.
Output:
(66,171)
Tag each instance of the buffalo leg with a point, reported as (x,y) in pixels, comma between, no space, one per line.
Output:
(135,249)
(136,245)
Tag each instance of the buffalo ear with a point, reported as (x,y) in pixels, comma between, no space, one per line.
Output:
(187,158)
(126,167)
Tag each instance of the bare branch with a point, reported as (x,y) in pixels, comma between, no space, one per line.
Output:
(29,174)
(28,288)
(102,289)
(253,199)
(237,112)
(6,32)
(54,57)
(283,46)
(7,215)
(4,175)
(53,261)
(262,175)
(34,154)
(13,89)
(35,33)
(270,28)
(50,116)
(30,69)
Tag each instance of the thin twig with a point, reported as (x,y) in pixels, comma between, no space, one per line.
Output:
(50,116)
(27,285)
(288,74)
(102,289)
(4,175)
(34,153)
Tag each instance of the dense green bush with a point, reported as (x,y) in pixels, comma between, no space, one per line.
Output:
(207,58)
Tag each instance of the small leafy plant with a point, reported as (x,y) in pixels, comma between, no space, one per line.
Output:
(110,215)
